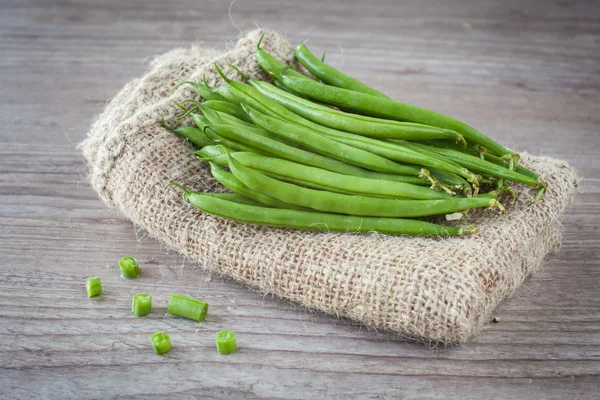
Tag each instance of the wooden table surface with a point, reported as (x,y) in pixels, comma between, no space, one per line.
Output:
(527,75)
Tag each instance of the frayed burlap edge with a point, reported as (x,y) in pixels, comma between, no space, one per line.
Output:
(434,289)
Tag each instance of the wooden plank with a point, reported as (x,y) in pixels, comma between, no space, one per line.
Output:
(526,74)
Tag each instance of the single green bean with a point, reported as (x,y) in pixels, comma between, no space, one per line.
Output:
(329,75)
(317,221)
(269,63)
(236,198)
(352,204)
(226,107)
(203,90)
(358,124)
(194,135)
(384,108)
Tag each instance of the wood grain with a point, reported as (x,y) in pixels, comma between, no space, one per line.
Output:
(526,74)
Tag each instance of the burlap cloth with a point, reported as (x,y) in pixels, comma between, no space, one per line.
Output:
(428,288)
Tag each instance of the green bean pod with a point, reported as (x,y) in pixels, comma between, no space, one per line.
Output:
(352,204)
(316,221)
(383,108)
(483,167)
(333,181)
(358,124)
(235,198)
(445,144)
(194,135)
(203,90)
(270,64)
(330,75)
(218,154)
(227,107)
(229,180)
(216,138)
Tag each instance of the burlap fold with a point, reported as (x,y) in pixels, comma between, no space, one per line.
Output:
(429,288)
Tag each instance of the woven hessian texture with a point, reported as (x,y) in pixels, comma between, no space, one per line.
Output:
(434,289)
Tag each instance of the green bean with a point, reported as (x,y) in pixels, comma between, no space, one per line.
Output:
(203,90)
(352,204)
(218,154)
(229,180)
(194,135)
(317,221)
(269,63)
(234,197)
(384,108)
(484,167)
(226,107)
(450,183)
(330,75)
(219,139)
(445,144)
(359,124)
(333,181)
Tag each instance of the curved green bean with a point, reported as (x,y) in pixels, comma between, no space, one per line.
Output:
(194,135)
(203,90)
(384,108)
(358,124)
(352,204)
(227,107)
(483,167)
(329,75)
(218,154)
(445,144)
(316,221)
(270,64)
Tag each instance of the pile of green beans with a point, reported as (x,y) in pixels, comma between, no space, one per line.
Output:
(334,154)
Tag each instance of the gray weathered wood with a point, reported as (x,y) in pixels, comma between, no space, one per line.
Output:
(525,74)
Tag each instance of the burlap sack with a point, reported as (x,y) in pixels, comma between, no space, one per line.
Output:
(432,289)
